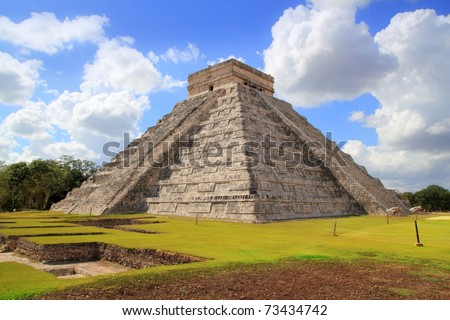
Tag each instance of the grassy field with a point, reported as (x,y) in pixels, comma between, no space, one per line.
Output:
(223,243)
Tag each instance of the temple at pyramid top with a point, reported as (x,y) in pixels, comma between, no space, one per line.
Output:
(230,71)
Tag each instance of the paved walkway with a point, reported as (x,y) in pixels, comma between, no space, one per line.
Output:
(80,269)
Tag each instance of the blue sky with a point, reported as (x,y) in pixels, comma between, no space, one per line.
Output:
(76,74)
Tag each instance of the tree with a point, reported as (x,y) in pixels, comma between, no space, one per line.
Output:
(446,202)
(410,197)
(76,171)
(85,167)
(42,182)
(46,179)
(4,190)
(17,175)
(433,198)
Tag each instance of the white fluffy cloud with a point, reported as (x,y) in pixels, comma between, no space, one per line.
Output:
(413,121)
(414,99)
(319,54)
(403,169)
(17,79)
(191,52)
(439,128)
(349,5)
(104,115)
(357,116)
(110,102)
(7,144)
(118,67)
(28,123)
(44,32)
(58,149)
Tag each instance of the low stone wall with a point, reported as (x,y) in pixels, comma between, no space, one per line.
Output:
(135,230)
(109,223)
(141,258)
(91,251)
(8,243)
(59,252)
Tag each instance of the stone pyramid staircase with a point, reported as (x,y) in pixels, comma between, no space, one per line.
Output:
(234,154)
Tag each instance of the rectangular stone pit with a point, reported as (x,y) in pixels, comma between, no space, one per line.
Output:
(93,251)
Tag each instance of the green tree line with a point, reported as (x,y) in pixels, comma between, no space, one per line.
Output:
(432,198)
(40,183)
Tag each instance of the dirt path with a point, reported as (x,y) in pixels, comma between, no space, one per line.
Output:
(282,281)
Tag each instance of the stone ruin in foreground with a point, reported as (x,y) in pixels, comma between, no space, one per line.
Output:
(232,151)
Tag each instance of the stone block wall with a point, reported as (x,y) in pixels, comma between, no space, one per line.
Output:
(92,251)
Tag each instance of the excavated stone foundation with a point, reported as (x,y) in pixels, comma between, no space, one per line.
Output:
(93,251)
(111,223)
(57,254)
(118,224)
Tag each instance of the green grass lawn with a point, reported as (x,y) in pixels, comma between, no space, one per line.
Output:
(223,243)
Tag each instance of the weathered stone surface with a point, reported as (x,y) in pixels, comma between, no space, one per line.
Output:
(91,251)
(233,153)
(59,252)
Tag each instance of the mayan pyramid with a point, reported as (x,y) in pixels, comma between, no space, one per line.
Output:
(232,151)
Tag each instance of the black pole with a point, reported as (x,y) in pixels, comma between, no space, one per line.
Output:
(417,235)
